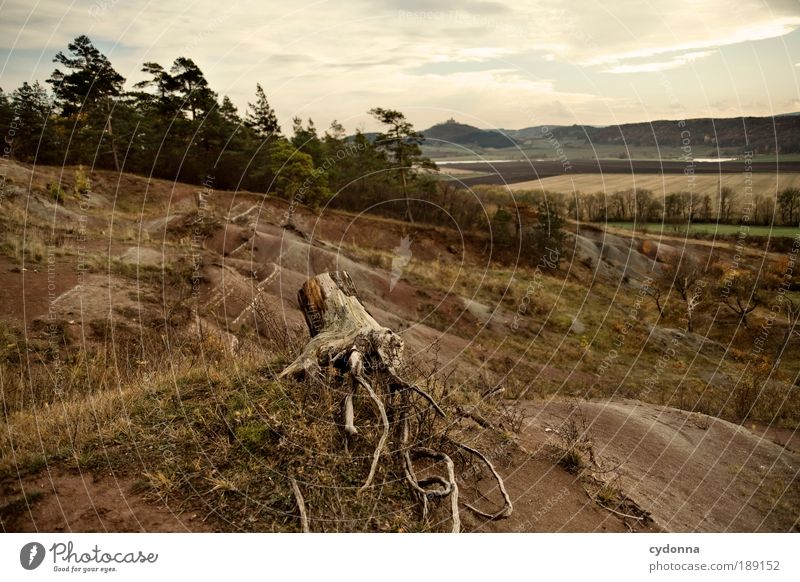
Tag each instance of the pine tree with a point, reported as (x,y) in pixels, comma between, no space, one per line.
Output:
(229,112)
(163,99)
(402,144)
(191,86)
(5,108)
(261,118)
(92,82)
(88,92)
(31,107)
(6,121)
(306,139)
(296,179)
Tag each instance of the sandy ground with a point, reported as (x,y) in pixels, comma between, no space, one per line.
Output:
(546,498)
(692,472)
(25,296)
(68,501)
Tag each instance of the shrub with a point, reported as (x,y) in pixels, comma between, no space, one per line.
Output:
(575,442)
(82,182)
(57,193)
(572,461)
(747,390)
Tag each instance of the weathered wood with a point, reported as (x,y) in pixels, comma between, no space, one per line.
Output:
(337,322)
(301,505)
(313,298)
(345,337)
(508,507)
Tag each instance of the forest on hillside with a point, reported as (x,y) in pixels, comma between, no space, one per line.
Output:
(707,135)
(174,126)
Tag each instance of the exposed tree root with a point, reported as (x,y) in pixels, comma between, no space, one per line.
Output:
(356,364)
(345,337)
(477,418)
(420,452)
(621,514)
(508,507)
(422,487)
(301,505)
(349,426)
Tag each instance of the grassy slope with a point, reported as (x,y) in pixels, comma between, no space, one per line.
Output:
(722,229)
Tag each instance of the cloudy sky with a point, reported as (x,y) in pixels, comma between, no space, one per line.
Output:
(485,62)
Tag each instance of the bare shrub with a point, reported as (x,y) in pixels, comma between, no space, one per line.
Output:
(575,448)
(280,338)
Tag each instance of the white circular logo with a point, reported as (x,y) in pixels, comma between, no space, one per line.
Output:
(31,555)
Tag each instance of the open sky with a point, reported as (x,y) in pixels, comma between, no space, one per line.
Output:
(491,63)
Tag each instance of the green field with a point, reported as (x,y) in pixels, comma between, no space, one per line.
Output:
(709,228)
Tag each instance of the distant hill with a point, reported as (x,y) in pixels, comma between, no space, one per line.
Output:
(530,133)
(763,135)
(453,132)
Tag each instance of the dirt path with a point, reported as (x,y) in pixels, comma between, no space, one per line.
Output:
(692,472)
(546,498)
(68,501)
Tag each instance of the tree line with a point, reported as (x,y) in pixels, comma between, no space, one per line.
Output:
(726,207)
(172,125)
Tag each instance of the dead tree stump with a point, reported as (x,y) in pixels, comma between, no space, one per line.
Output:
(345,337)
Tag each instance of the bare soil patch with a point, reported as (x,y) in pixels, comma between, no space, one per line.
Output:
(691,471)
(61,500)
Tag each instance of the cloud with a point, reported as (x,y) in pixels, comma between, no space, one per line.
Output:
(722,36)
(443,6)
(334,59)
(674,63)
(471,55)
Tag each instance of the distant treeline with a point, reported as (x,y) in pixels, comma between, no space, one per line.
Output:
(680,207)
(645,206)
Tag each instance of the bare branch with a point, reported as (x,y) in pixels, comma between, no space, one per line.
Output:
(301,505)
(508,507)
